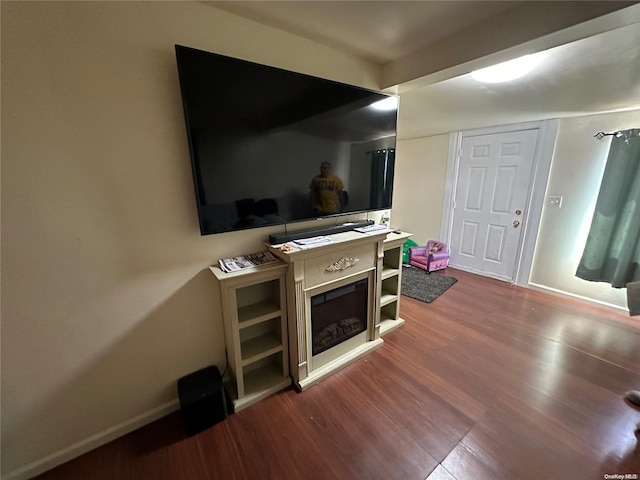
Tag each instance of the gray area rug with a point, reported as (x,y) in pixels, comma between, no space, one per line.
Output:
(426,288)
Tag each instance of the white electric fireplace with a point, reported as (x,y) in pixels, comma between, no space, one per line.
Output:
(333,304)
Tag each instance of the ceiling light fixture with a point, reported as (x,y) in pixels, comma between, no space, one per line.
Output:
(389,103)
(510,70)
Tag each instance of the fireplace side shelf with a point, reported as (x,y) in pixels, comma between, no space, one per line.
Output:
(391,278)
(255,326)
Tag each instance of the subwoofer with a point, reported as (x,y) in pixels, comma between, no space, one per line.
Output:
(204,401)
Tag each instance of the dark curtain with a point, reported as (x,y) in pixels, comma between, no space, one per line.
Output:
(382,168)
(612,252)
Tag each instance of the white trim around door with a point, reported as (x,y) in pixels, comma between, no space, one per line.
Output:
(548,130)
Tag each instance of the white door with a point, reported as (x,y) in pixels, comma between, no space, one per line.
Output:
(494,178)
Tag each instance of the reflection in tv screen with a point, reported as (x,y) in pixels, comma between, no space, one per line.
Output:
(269,146)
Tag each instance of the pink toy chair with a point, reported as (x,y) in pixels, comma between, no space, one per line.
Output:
(433,256)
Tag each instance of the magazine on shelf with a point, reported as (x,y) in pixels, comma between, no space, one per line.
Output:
(250,260)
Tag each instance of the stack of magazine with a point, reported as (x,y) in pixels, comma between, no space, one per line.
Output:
(250,260)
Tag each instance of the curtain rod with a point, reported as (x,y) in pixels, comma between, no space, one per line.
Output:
(601,135)
(379,150)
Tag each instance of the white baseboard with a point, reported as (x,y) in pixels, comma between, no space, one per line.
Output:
(94,441)
(543,288)
(562,293)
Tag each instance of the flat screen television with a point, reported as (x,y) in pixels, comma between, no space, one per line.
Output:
(258,135)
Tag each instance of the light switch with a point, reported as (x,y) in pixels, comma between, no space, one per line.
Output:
(554,201)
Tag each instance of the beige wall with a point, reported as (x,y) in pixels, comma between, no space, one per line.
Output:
(576,172)
(106,295)
(419,182)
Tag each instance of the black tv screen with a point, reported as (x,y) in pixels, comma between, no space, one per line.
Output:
(258,136)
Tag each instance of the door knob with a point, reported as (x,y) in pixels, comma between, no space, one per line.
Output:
(516,223)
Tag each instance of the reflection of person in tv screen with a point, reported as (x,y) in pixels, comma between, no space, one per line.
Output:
(326,191)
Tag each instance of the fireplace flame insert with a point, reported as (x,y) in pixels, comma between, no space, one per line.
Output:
(338,314)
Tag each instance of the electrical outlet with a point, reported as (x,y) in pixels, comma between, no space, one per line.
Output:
(554,201)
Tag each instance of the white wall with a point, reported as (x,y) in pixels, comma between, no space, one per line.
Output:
(418,193)
(107,299)
(577,168)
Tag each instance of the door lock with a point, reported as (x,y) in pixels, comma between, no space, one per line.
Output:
(518,212)
(516,223)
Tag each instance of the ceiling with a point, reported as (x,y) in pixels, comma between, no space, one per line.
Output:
(380,31)
(597,74)
(592,67)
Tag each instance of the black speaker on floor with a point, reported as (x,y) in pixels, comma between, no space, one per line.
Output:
(203,399)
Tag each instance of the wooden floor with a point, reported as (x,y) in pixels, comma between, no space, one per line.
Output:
(490,381)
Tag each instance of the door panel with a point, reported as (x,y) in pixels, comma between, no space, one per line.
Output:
(494,177)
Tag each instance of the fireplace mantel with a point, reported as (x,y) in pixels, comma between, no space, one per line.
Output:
(348,258)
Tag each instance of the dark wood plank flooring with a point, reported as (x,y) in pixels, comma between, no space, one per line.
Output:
(491,381)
